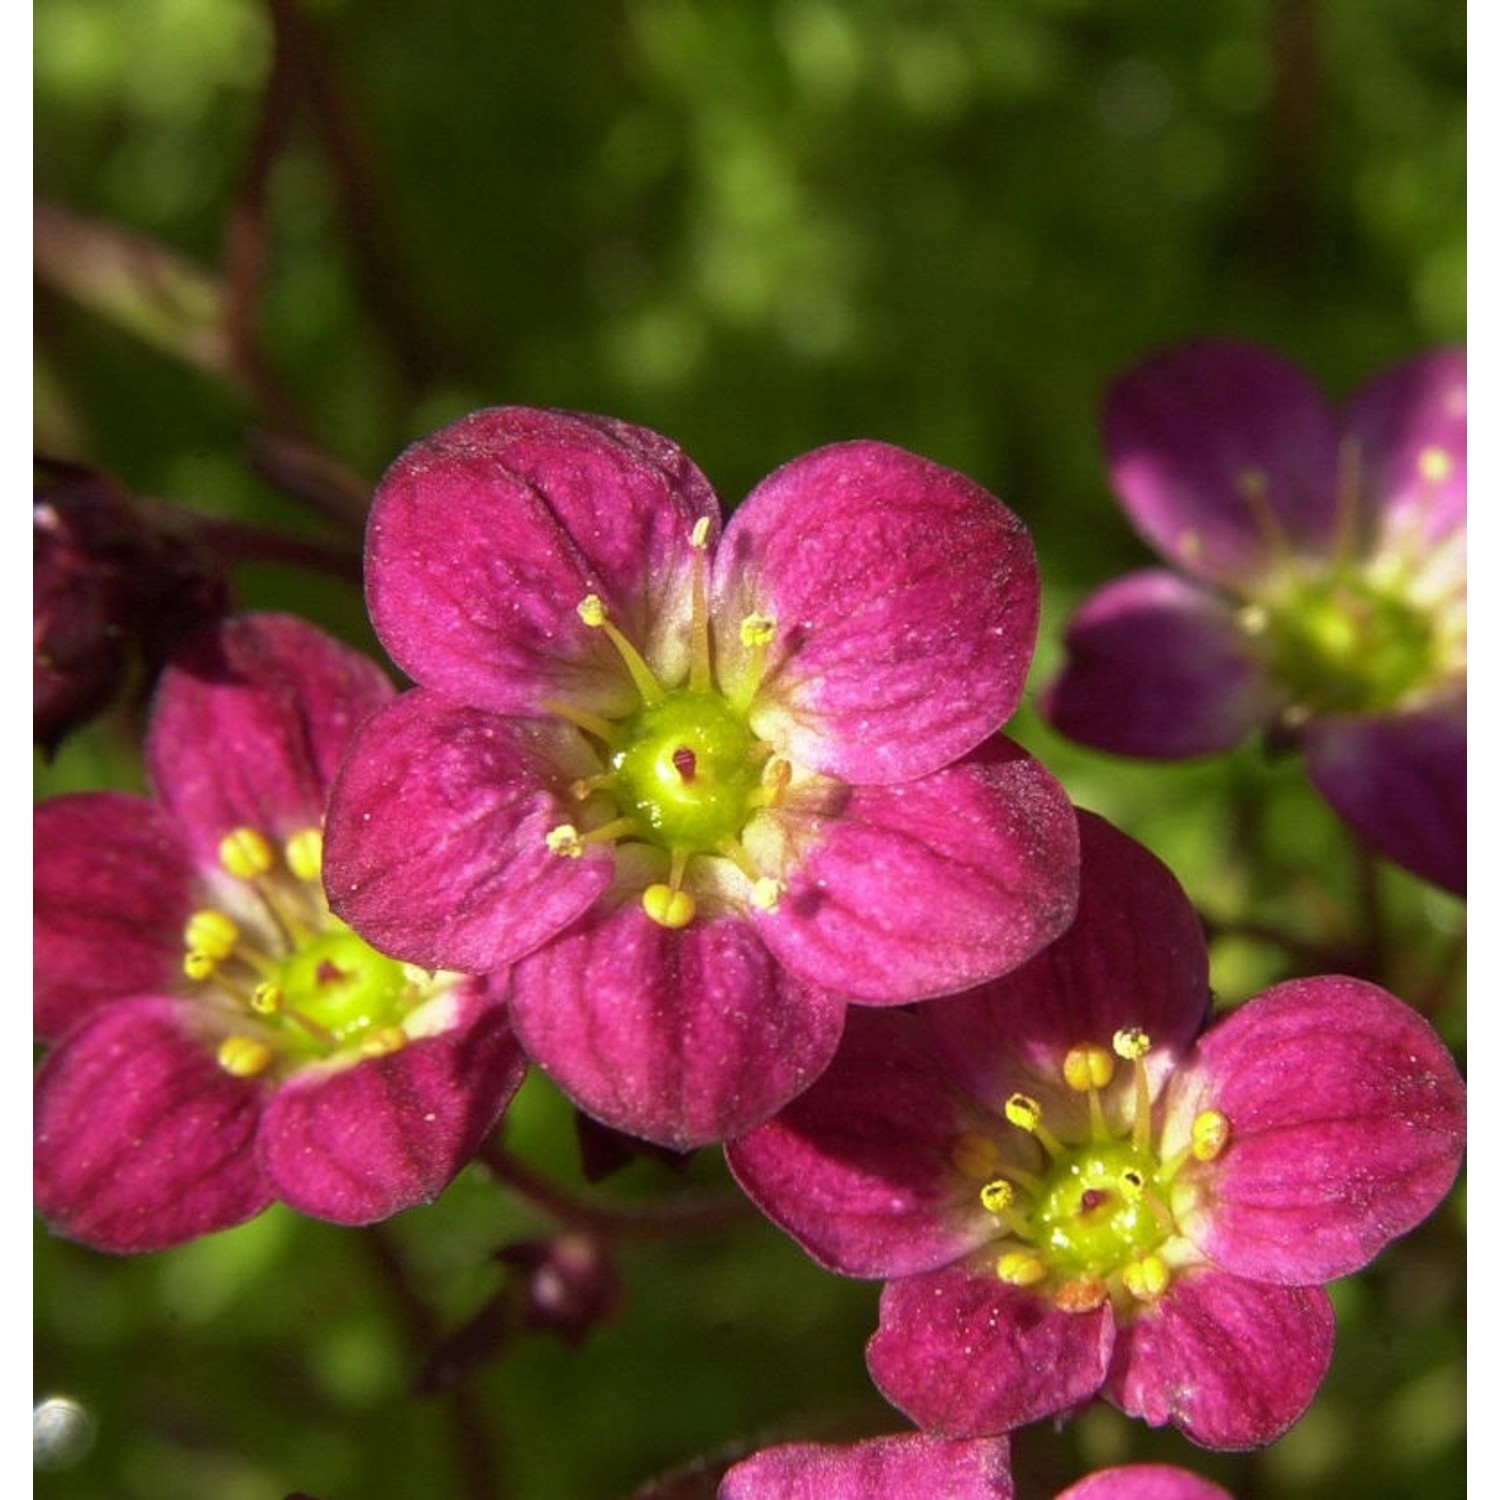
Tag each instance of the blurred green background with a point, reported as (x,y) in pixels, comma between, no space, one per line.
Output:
(756,228)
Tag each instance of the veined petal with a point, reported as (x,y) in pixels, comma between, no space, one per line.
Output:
(436,844)
(683,1037)
(1231,1363)
(859,1170)
(1346,1127)
(1412,427)
(1144,1482)
(486,536)
(899,1467)
(1225,456)
(963,1354)
(1157,666)
(885,574)
(930,887)
(1135,956)
(113,886)
(1401,783)
(358,1143)
(250,724)
(141,1140)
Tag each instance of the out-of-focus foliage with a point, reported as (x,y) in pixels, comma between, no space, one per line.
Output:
(756,226)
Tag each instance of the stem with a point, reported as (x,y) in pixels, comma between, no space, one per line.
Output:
(474,1457)
(684,1215)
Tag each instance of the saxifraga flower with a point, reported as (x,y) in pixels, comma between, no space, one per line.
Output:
(916,1466)
(1070,1192)
(219,1039)
(1320,593)
(699,790)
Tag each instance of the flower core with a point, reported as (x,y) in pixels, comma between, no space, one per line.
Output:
(1095,1223)
(292,984)
(685,773)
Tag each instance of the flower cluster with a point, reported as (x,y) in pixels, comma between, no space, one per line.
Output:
(1320,591)
(715,823)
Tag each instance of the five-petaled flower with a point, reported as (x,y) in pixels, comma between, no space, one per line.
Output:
(1321,590)
(1070,1191)
(698,791)
(220,1039)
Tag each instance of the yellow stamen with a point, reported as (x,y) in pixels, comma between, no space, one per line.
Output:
(975,1155)
(267,998)
(304,854)
(247,854)
(1088,1067)
(1082,1294)
(244,1056)
(1210,1135)
(600,728)
(1147,1278)
(1131,1043)
(1021,1268)
(211,933)
(198,965)
(774,781)
(997,1195)
(1026,1114)
(567,841)
(700,672)
(756,633)
(383,1042)
(766,893)
(1255,489)
(668,907)
(593,614)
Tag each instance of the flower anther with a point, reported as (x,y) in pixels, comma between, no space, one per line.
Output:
(685,772)
(300,983)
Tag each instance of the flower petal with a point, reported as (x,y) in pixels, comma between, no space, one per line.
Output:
(963,1354)
(885,574)
(141,1140)
(436,845)
(1401,783)
(1135,956)
(250,723)
(486,536)
(683,1037)
(1232,1363)
(1144,1482)
(884,1468)
(1346,1127)
(924,889)
(1224,453)
(1158,667)
(858,1170)
(1412,425)
(356,1144)
(113,887)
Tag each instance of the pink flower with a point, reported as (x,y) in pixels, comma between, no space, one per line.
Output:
(905,1466)
(1320,591)
(1073,1193)
(220,1040)
(699,791)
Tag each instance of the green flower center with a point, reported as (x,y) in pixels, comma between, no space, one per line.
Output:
(296,985)
(1094,1221)
(1342,644)
(1093,1211)
(686,771)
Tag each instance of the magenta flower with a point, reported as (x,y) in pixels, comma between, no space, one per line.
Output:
(902,1466)
(219,1039)
(908,1465)
(699,791)
(1070,1192)
(1321,591)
